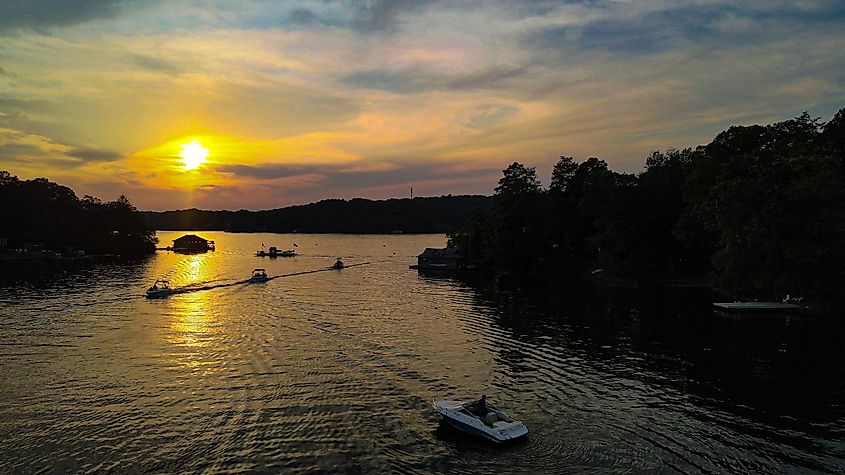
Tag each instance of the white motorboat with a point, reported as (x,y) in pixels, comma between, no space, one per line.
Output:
(161,288)
(258,275)
(495,425)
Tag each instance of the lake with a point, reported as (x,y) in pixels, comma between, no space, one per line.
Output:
(335,371)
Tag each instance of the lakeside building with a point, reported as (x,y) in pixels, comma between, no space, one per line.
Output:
(445,259)
(192,243)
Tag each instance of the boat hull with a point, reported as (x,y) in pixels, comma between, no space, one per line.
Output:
(501,433)
(469,429)
(158,294)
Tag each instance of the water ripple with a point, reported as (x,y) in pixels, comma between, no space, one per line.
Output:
(334,372)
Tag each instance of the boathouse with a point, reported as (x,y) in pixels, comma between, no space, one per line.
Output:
(191,243)
(434,258)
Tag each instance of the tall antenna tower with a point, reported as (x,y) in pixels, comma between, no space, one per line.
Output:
(412,192)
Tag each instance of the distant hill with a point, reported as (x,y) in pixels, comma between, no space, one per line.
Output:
(360,216)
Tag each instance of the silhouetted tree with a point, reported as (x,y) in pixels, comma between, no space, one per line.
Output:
(562,174)
(518,180)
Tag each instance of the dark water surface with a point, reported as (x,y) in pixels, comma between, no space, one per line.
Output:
(334,371)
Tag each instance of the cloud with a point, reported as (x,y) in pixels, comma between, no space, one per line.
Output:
(156,64)
(19,152)
(383,15)
(655,27)
(41,15)
(488,115)
(269,171)
(351,176)
(416,81)
(302,16)
(93,155)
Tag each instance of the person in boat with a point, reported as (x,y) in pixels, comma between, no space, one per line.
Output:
(154,287)
(481,406)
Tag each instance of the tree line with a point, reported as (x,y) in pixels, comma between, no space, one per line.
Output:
(40,212)
(760,210)
(357,216)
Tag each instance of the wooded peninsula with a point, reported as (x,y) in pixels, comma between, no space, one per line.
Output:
(39,215)
(760,211)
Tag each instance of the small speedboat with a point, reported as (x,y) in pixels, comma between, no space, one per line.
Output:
(258,275)
(161,288)
(495,425)
(338,265)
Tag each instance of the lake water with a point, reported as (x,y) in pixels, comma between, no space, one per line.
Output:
(335,371)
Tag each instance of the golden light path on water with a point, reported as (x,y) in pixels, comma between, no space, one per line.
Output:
(334,371)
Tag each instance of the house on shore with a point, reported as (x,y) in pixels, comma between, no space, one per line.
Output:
(441,259)
(192,243)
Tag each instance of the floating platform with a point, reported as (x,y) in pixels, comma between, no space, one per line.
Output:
(757,307)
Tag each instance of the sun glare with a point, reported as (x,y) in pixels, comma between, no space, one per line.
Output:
(193,155)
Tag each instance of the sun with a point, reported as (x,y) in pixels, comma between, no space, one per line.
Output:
(193,155)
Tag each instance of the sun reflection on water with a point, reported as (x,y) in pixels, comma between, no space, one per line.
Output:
(193,324)
(196,269)
(194,327)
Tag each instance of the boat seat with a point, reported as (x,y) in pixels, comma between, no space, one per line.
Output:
(491,418)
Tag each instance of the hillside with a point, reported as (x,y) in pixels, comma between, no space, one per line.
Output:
(418,215)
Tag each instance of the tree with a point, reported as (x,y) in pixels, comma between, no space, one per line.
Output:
(562,174)
(518,180)
(833,134)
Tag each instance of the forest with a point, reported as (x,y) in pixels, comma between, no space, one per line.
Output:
(40,212)
(359,216)
(759,211)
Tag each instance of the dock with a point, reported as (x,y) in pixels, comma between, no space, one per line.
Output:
(757,307)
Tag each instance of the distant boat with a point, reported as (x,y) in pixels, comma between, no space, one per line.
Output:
(258,275)
(161,288)
(287,253)
(338,265)
(495,425)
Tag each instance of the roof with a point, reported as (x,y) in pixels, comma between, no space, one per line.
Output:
(190,237)
(444,253)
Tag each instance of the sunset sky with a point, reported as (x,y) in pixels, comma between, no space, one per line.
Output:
(262,104)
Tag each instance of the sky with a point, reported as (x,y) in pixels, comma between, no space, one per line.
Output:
(260,104)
